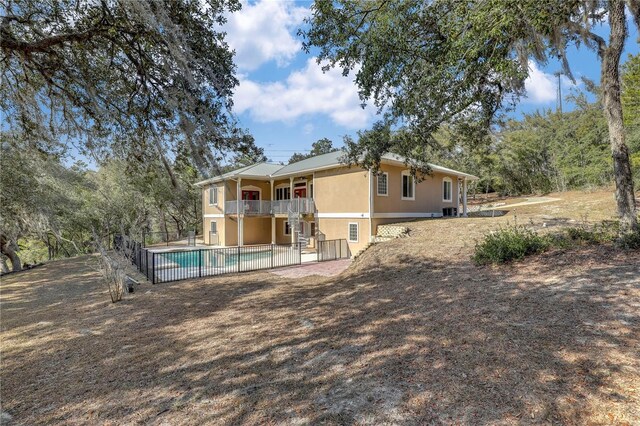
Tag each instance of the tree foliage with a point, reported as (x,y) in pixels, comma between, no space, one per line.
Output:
(128,78)
(319,147)
(50,209)
(631,107)
(425,64)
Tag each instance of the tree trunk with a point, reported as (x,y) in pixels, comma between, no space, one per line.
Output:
(610,80)
(4,268)
(6,247)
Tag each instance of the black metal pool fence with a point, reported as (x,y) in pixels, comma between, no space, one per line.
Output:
(173,238)
(173,265)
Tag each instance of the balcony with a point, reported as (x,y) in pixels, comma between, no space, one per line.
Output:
(269,207)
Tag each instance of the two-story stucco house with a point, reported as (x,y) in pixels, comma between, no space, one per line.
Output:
(321,198)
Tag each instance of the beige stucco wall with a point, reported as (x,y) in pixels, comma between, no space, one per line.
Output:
(207,227)
(280,237)
(230,231)
(334,229)
(257,230)
(428,193)
(213,209)
(263,186)
(342,190)
(227,192)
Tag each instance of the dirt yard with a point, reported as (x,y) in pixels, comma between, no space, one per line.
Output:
(412,333)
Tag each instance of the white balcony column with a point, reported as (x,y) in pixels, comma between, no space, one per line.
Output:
(272,193)
(238,204)
(458,194)
(291,188)
(371,206)
(273,229)
(464,197)
(291,227)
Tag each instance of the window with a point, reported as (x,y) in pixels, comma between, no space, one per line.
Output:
(383,184)
(214,227)
(408,186)
(287,229)
(213,196)
(283,193)
(446,189)
(313,229)
(311,190)
(353,232)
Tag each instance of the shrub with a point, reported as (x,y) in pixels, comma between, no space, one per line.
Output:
(509,243)
(629,241)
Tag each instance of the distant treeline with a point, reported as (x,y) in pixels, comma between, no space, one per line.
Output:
(549,151)
(544,152)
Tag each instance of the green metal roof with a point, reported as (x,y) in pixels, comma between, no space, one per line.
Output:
(258,170)
(313,163)
(333,159)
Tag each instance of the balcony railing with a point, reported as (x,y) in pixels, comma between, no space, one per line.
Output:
(297,205)
(268,207)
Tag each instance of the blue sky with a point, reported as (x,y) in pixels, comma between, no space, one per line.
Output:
(287,103)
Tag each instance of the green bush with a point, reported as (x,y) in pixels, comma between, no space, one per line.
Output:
(629,241)
(604,232)
(509,243)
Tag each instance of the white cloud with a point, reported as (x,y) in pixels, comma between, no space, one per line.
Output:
(541,87)
(307,91)
(262,32)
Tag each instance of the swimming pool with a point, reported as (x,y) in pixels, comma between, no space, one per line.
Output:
(191,258)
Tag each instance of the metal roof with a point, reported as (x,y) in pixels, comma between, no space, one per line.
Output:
(333,159)
(313,163)
(258,170)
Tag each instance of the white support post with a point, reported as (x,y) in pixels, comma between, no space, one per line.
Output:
(238,205)
(273,218)
(291,226)
(464,197)
(458,194)
(371,234)
(273,229)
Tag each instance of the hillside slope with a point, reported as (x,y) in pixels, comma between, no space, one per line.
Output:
(413,333)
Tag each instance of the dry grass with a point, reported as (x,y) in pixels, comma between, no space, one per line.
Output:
(413,333)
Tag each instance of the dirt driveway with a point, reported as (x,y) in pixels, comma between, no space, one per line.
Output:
(412,333)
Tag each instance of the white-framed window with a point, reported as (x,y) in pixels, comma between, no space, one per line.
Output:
(447,189)
(353,232)
(213,195)
(383,184)
(287,229)
(214,227)
(408,186)
(283,193)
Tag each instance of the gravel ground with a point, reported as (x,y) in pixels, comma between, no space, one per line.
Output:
(411,333)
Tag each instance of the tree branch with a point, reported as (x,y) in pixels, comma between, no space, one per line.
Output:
(9,42)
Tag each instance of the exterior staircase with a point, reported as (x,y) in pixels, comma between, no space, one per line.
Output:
(294,227)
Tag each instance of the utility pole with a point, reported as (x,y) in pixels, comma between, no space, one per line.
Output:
(559,93)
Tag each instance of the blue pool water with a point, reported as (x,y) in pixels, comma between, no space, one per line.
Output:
(191,259)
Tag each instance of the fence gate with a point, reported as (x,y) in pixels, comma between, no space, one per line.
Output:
(333,250)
